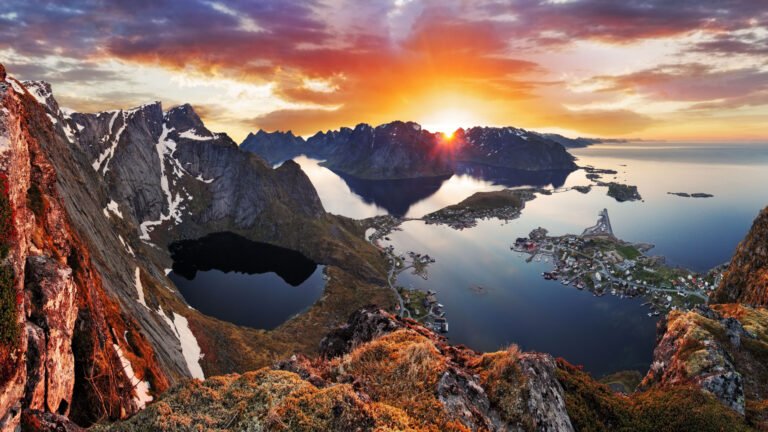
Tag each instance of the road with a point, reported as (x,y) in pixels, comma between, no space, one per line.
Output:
(391,277)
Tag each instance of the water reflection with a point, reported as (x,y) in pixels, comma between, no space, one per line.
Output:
(394,196)
(230,252)
(513,178)
(244,282)
(362,198)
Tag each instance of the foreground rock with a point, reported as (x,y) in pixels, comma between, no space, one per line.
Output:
(746,279)
(721,350)
(380,373)
(60,353)
(384,373)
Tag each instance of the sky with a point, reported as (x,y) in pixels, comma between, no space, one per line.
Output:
(686,70)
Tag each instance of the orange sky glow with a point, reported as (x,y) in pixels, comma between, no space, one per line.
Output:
(683,70)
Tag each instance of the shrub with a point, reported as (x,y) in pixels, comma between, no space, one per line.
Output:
(9,327)
(6,218)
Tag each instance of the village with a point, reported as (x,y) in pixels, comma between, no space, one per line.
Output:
(421,306)
(599,262)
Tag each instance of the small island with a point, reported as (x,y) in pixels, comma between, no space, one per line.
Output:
(691,195)
(583,189)
(621,192)
(504,204)
(618,191)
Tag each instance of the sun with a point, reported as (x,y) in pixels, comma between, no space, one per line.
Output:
(448,121)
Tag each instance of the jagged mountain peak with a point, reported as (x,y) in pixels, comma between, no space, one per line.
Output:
(403,149)
(262,132)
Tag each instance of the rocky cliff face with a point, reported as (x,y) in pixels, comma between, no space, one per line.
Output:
(90,326)
(400,150)
(746,280)
(66,347)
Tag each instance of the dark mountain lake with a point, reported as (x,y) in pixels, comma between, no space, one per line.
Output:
(492,297)
(244,282)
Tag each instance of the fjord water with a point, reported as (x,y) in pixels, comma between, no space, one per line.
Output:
(244,282)
(493,297)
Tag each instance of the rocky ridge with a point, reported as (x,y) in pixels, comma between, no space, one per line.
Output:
(721,350)
(379,372)
(400,150)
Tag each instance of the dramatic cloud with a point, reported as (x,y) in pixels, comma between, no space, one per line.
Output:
(688,82)
(319,64)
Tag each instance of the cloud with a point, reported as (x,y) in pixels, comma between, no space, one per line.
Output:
(687,82)
(730,45)
(385,59)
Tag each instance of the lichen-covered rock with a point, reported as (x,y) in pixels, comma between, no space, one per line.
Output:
(719,349)
(462,395)
(36,362)
(687,353)
(63,361)
(263,400)
(546,401)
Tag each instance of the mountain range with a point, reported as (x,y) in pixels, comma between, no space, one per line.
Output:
(402,150)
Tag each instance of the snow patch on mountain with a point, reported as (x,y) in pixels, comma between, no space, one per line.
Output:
(165,146)
(192,134)
(140,289)
(140,388)
(189,346)
(107,154)
(114,208)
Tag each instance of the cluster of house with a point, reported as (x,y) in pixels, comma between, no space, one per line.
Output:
(467,217)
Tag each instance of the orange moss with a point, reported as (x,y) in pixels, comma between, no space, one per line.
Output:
(592,406)
(682,408)
(505,384)
(401,369)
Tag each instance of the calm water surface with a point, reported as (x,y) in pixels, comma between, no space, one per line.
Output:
(493,298)
(246,283)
